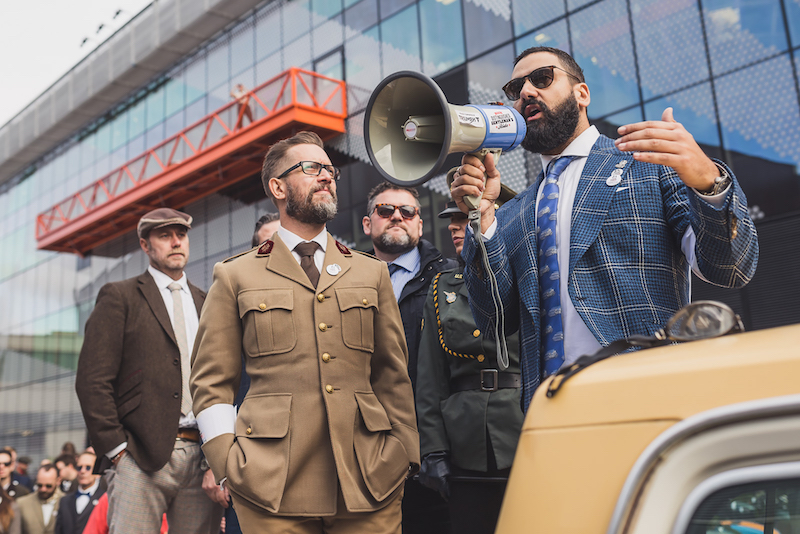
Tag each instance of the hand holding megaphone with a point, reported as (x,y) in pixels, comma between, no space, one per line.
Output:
(477,179)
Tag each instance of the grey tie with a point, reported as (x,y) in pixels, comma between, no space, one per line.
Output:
(179,326)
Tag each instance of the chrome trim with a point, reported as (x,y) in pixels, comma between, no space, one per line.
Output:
(716,417)
(734,477)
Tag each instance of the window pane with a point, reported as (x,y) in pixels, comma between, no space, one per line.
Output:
(218,65)
(487,75)
(331,65)
(196,79)
(793,12)
(136,119)
(268,33)
(296,20)
(390,7)
(362,15)
(323,9)
(175,95)
(602,47)
(743,31)
(493,26)
(554,36)
(242,50)
(333,32)
(119,131)
(361,54)
(155,107)
(400,36)
(442,36)
(669,45)
(530,14)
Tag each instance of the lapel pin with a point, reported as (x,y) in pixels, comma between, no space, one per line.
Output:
(450,296)
(613,180)
(621,164)
(333,269)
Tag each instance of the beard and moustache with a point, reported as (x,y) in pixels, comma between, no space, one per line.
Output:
(395,244)
(554,129)
(306,210)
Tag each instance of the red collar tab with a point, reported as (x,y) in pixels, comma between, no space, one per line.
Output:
(265,249)
(343,249)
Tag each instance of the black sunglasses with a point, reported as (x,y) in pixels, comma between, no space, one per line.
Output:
(540,78)
(7,464)
(387,210)
(84,468)
(313,168)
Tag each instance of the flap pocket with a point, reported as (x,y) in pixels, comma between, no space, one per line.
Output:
(262,300)
(129,382)
(372,412)
(357,297)
(264,416)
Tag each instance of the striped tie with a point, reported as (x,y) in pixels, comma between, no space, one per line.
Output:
(179,326)
(549,287)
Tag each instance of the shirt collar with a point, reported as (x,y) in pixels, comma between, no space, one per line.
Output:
(91,488)
(162,280)
(291,240)
(409,261)
(580,147)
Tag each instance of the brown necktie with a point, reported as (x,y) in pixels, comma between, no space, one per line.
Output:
(306,251)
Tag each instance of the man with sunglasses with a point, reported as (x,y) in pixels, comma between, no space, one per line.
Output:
(394,224)
(76,507)
(327,433)
(601,247)
(38,510)
(12,487)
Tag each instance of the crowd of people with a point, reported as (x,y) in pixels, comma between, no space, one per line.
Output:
(316,388)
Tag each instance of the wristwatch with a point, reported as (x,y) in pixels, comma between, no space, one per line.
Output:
(721,182)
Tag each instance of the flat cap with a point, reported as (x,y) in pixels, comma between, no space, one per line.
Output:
(160,218)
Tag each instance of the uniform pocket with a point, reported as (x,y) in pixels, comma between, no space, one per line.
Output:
(258,463)
(267,322)
(358,306)
(382,458)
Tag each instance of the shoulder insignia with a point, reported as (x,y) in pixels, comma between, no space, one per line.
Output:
(450,296)
(459,276)
(238,255)
(343,249)
(266,248)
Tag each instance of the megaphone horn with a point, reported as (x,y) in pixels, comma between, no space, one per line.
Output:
(410,128)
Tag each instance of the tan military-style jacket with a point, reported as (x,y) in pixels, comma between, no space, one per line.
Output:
(330,401)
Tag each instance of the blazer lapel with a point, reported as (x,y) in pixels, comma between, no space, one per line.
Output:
(593,198)
(333,256)
(282,262)
(198,296)
(150,291)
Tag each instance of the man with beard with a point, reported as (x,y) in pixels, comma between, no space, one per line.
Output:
(132,383)
(620,222)
(394,223)
(327,432)
(38,510)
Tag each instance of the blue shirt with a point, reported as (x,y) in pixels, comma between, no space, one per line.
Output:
(407,267)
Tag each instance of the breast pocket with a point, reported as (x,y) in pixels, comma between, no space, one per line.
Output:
(267,323)
(358,306)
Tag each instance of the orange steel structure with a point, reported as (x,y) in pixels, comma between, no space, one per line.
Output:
(219,150)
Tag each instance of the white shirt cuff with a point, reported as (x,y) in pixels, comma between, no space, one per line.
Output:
(216,420)
(715,200)
(116,450)
(489,233)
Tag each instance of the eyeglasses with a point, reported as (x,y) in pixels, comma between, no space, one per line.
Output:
(7,464)
(387,211)
(48,486)
(540,78)
(313,168)
(84,468)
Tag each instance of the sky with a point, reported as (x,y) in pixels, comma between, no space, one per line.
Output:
(40,41)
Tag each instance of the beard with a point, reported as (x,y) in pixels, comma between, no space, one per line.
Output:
(306,210)
(392,244)
(554,129)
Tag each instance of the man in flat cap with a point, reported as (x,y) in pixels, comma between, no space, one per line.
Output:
(132,382)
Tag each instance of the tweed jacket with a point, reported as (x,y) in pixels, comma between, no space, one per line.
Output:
(627,273)
(129,375)
(69,521)
(452,346)
(30,513)
(330,402)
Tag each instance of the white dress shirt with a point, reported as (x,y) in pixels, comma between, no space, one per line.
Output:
(578,339)
(291,240)
(82,501)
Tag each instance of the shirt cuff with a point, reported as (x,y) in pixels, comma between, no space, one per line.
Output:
(116,450)
(489,233)
(216,420)
(715,200)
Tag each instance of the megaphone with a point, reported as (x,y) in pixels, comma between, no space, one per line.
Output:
(410,128)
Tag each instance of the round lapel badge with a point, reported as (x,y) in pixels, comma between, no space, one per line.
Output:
(613,180)
(333,269)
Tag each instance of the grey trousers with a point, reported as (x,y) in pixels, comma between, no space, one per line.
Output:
(137,499)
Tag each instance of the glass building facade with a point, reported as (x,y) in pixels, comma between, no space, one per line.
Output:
(729,68)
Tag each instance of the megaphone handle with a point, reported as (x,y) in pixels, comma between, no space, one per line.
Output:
(474,203)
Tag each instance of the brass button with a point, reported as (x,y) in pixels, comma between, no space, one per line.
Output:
(249,430)
(323,326)
(364,302)
(481,357)
(321,297)
(329,388)
(262,306)
(476,333)
(326,357)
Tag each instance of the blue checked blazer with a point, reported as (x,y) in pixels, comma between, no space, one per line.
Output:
(627,273)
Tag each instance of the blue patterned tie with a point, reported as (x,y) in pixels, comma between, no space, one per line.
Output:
(549,278)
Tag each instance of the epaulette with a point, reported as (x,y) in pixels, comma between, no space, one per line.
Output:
(238,255)
(343,249)
(367,254)
(265,248)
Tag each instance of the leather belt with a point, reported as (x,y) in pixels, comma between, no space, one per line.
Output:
(188,434)
(487,380)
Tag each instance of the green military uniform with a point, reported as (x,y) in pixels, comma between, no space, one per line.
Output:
(452,355)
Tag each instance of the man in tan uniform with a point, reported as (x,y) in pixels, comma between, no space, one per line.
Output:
(327,433)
